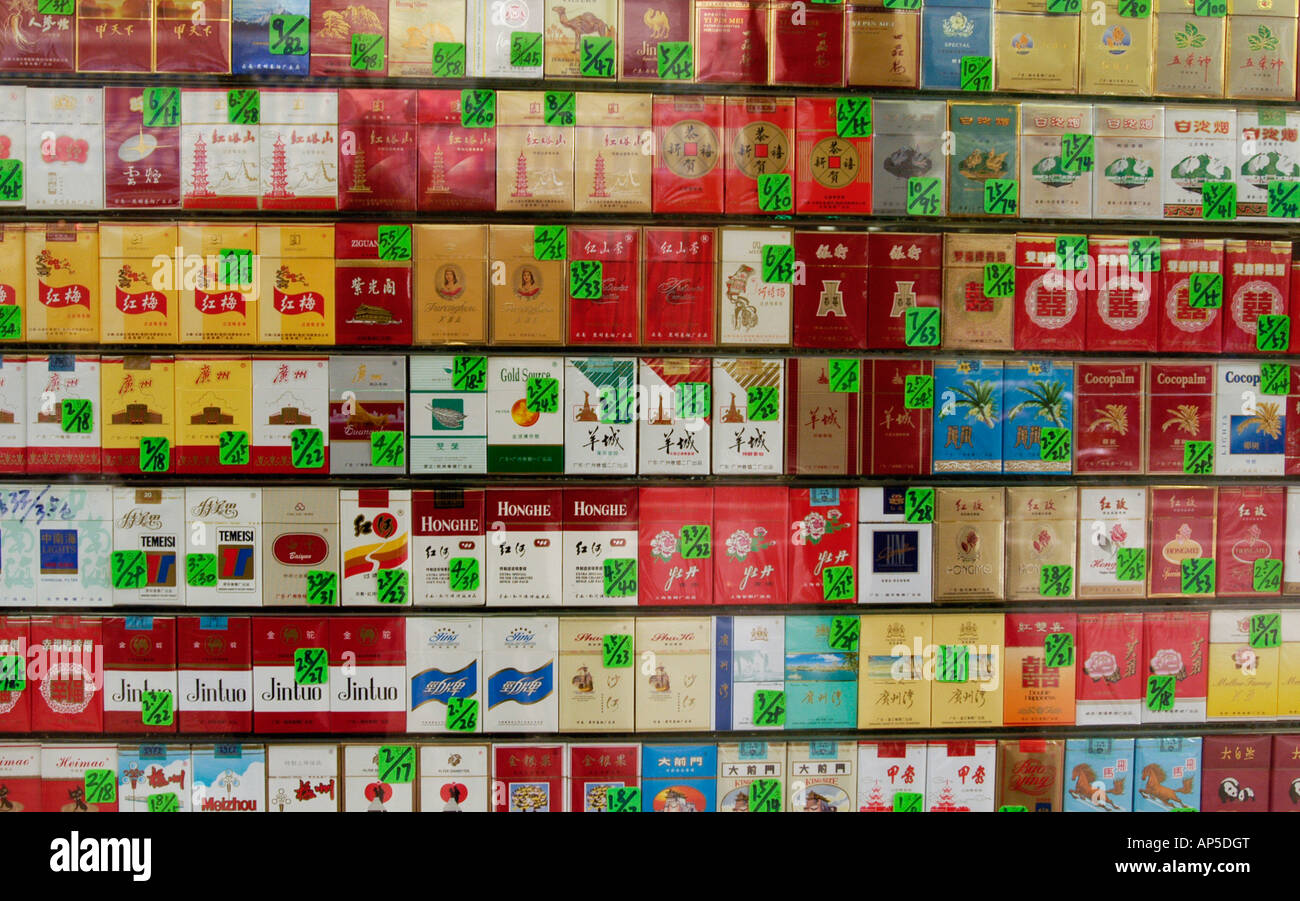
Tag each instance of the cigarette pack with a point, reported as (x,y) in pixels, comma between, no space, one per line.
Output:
(229,778)
(372,284)
(65,150)
(1120,301)
(748,657)
(883,46)
(808,48)
(153,771)
(688,154)
(367,674)
(1236,772)
(115,38)
(1175,644)
(967,687)
(490,31)
(1183,526)
(823,542)
(260,44)
(299,140)
(1112,520)
(595,769)
(1259,64)
(740,765)
(1031,774)
(456,163)
(959,776)
(448,548)
(444,658)
(528,306)
(139,658)
(542,174)
(138,396)
(63,771)
(68,687)
(290,395)
(888,770)
(219,295)
(525,427)
(302,778)
(529,779)
(612,152)
(674,430)
(895,555)
(676,545)
(13,264)
(1243,676)
(15,705)
(908,274)
(967,423)
(375,527)
(1200,146)
(448,425)
(952,30)
(822,429)
(214,398)
(221,547)
(1170,769)
(454,779)
(20,777)
(752,523)
(348,39)
(1056,184)
(1256,283)
(367,399)
(760,135)
(821,679)
(968,544)
(971,319)
(142,163)
(377,150)
(525,566)
(731,41)
(600,422)
(1190,51)
(297,277)
(1180,398)
(1116,53)
(748,440)
(1042,531)
(75,548)
(892,693)
(214,661)
(984,147)
(1269,153)
(150,521)
(1129,161)
(38,44)
(831,302)
(752,310)
(1100,775)
(451,277)
(822,778)
(1039,394)
(56,381)
(21,510)
(643,25)
(895,437)
(1111,419)
(1040,669)
(13,146)
(1249,430)
(677,695)
(600,546)
(13,413)
(287,649)
(300,537)
(596,672)
(519,659)
(1034,51)
(1251,527)
(612,316)
(1285,793)
(833,173)
(908,143)
(679,778)
(680,289)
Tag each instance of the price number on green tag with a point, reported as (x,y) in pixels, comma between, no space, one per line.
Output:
(232,448)
(244,106)
(924,196)
(775,192)
(462,574)
(853,117)
(623,799)
(1273,333)
(1274,378)
(918,392)
(310,666)
(11,317)
(100,786)
(1266,628)
(526,50)
(129,570)
(1198,458)
(1160,693)
(56,7)
(1205,291)
(1071,252)
(1144,255)
(550,243)
(1058,649)
(1135,9)
(676,60)
(367,52)
(478,109)
(761,403)
(156,708)
(448,59)
(976,73)
(307,448)
(200,570)
(322,588)
(696,542)
(620,578)
(542,394)
(462,714)
(78,415)
(846,631)
(952,664)
(769,708)
(165,802)
(616,651)
(587,279)
(908,802)
(11,183)
(393,586)
(1215,9)
(918,505)
(13,673)
(1064,7)
(1219,200)
(765,796)
(1131,564)
(597,59)
(1001,197)
(1054,445)
(394,242)
(921,327)
(778,264)
(1198,575)
(1077,152)
(1056,580)
(844,376)
(999,280)
(155,455)
(288,35)
(838,584)
(469,374)
(396,764)
(1284,199)
(162,107)
(388,449)
(560,108)
(1267,575)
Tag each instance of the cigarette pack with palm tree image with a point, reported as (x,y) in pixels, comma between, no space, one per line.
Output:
(968,401)
(1039,395)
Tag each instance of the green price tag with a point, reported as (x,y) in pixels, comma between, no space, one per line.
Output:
(322,588)
(1058,649)
(288,35)
(244,106)
(100,787)
(155,455)
(542,395)
(394,242)
(1144,255)
(616,651)
(1135,9)
(1205,291)
(234,266)
(999,280)
(696,542)
(478,109)
(560,108)
(1274,378)
(623,799)
(394,586)
(310,666)
(1273,334)
(620,578)
(845,633)
(526,50)
(156,708)
(976,73)
(1054,445)
(853,117)
(1131,564)
(11,182)
(1064,7)
(1056,580)
(908,802)
(918,505)
(694,399)
(769,708)
(448,59)
(924,196)
(1215,9)
(56,7)
(368,52)
(388,449)
(165,802)
(11,317)
(550,243)
(78,415)
(1076,152)
(13,673)
(1071,252)
(1198,575)
(918,392)
(1001,196)
(778,264)
(952,664)
(676,60)
(761,403)
(902,4)
(130,573)
(838,584)
(1013,808)
(462,574)
(462,714)
(307,448)
(597,59)
(921,327)
(469,374)
(200,570)
(775,193)
(396,764)
(162,107)
(765,796)
(1160,693)
(1198,458)
(1219,200)
(1284,199)
(587,279)
(844,376)
(1266,628)
(1267,576)
(232,448)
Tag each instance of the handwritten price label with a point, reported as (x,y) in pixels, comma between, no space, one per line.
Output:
(310,666)
(952,663)
(156,708)
(838,584)
(924,196)
(1266,628)
(1056,580)
(765,796)
(164,802)
(1274,378)
(322,588)
(232,448)
(778,264)
(597,59)
(1160,693)
(775,192)
(129,571)
(1071,252)
(1001,197)
(1205,291)
(200,570)
(769,708)
(396,764)
(844,376)
(620,578)
(550,243)
(288,35)
(78,416)
(394,242)
(1198,458)
(560,108)
(1077,152)
(846,632)
(100,786)
(918,392)
(463,574)
(244,106)
(853,117)
(999,280)
(469,374)
(1284,199)
(1058,649)
(616,651)
(921,327)
(1144,255)
(162,107)
(462,714)
(155,455)
(1219,200)
(542,395)
(696,542)
(367,52)
(587,279)
(478,109)
(761,403)
(1267,575)
(1197,575)
(908,802)
(1131,564)
(918,505)
(976,73)
(388,449)
(448,59)
(526,50)
(13,673)
(307,448)
(11,317)
(393,586)
(623,799)
(676,60)
(1273,333)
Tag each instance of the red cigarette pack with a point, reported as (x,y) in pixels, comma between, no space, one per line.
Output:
(807,44)
(367,674)
(20,777)
(372,295)
(750,533)
(66,674)
(142,165)
(1048,302)
(821,423)
(760,140)
(895,440)
(214,661)
(595,769)
(139,656)
(1182,328)
(676,522)
(63,777)
(378,151)
(731,41)
(909,273)
(1251,526)
(1182,528)
(1257,282)
(614,317)
(831,302)
(1285,774)
(283,703)
(1235,772)
(30,43)
(1180,408)
(1110,418)
(457,165)
(689,155)
(528,779)
(680,286)
(1121,314)
(15,706)
(192,36)
(1110,681)
(823,534)
(832,174)
(114,37)
(339,28)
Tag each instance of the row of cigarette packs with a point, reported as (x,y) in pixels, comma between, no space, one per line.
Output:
(407,150)
(330,284)
(529,674)
(1228,773)
(92,546)
(1249,51)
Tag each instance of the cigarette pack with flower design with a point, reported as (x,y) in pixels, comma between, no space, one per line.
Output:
(760,135)
(748,657)
(1175,644)
(1111,678)
(688,154)
(831,301)
(139,657)
(892,689)
(596,674)
(1181,402)
(1257,282)
(62,282)
(1182,528)
(456,168)
(68,691)
(887,769)
(1042,531)
(1183,327)
(1040,669)
(822,420)
(301,529)
(824,537)
(967,685)
(1101,775)
(740,764)
(63,771)
(968,432)
(752,524)
(20,777)
(959,776)
(1110,421)
(529,778)
(1111,520)
(65,149)
(596,769)
(676,541)
(1244,662)
(679,778)
(674,688)
(1236,773)
(454,778)
(214,662)
(444,661)
(302,778)
(56,381)
(15,704)
(151,521)
(138,397)
(833,172)
(612,152)
(1251,527)
(731,41)
(1049,300)
(883,46)
(969,525)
